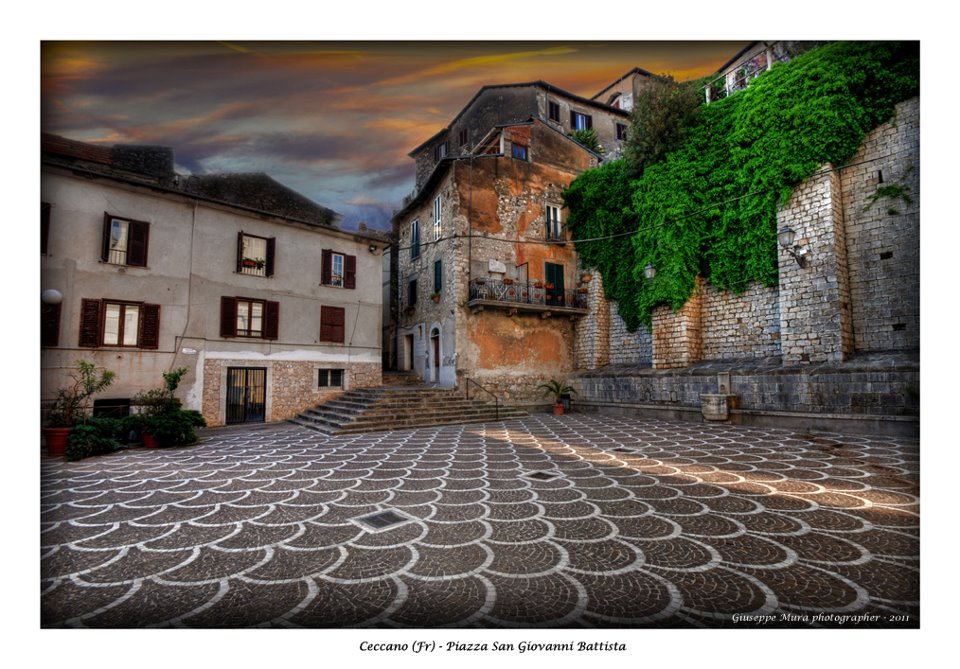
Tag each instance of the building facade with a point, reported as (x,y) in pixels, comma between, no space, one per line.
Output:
(487,278)
(246,283)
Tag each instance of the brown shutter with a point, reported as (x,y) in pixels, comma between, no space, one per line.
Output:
(90,323)
(271,321)
(49,324)
(271,254)
(105,242)
(150,326)
(228,317)
(332,321)
(349,271)
(573,120)
(239,251)
(326,267)
(137,244)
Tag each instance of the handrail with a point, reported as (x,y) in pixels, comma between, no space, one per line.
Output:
(496,399)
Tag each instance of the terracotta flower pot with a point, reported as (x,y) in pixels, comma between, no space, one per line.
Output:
(149,441)
(56,439)
(558,409)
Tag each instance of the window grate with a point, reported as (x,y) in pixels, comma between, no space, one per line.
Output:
(382,520)
(541,476)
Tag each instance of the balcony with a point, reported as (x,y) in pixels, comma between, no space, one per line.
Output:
(529,297)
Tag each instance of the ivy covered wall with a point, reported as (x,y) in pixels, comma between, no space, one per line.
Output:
(709,208)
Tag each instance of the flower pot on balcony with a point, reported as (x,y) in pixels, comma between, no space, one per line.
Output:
(435,298)
(508,282)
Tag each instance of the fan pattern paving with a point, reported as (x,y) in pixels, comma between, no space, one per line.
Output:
(642,523)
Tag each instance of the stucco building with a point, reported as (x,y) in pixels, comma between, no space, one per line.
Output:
(246,283)
(487,282)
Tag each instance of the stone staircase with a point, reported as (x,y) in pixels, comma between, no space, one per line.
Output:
(400,408)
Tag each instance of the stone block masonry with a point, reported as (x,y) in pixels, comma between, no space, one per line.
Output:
(292,385)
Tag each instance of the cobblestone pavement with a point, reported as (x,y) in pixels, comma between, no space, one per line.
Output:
(576,521)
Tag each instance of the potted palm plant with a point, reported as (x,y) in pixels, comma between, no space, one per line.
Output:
(557,389)
(70,405)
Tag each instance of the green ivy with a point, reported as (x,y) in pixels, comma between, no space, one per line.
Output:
(709,207)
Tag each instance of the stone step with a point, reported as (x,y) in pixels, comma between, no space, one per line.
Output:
(386,408)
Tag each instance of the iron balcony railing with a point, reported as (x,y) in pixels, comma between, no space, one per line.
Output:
(528,293)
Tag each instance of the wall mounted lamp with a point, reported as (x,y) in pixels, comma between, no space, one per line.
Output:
(372,248)
(51,296)
(649,272)
(785,236)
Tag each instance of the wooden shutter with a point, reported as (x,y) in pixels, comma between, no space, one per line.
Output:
(228,317)
(49,324)
(44,226)
(271,320)
(271,254)
(437,276)
(349,271)
(105,241)
(332,321)
(239,251)
(150,327)
(326,267)
(137,243)
(573,120)
(90,311)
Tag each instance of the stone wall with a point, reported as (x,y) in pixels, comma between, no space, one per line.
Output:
(858,289)
(291,385)
(678,336)
(883,234)
(740,326)
(592,331)
(871,385)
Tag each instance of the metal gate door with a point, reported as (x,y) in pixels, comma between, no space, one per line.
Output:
(246,394)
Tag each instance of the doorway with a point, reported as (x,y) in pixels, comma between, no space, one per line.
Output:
(435,349)
(246,395)
(553,274)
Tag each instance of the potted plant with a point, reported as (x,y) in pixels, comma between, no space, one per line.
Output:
(70,405)
(162,421)
(557,389)
(254,262)
(507,281)
(435,297)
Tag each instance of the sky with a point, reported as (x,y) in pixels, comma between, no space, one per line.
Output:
(333,120)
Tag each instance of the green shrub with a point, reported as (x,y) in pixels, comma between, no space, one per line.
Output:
(94,437)
(175,427)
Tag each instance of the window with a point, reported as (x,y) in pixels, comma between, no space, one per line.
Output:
(519,152)
(49,324)
(462,137)
(415,239)
(246,317)
(116,323)
(332,321)
(124,241)
(412,294)
(621,131)
(580,121)
(437,276)
(553,110)
(330,378)
(44,226)
(554,227)
(437,227)
(440,151)
(338,269)
(255,255)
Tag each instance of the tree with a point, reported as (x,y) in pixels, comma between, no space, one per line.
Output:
(661,116)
